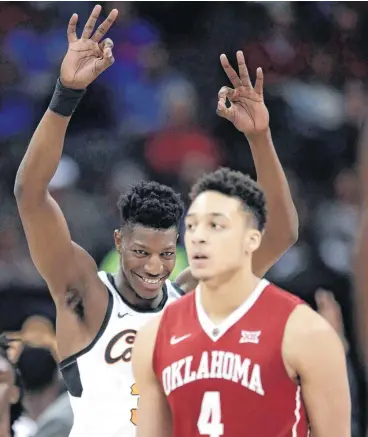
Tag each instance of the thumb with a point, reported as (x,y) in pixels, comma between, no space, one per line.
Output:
(106,61)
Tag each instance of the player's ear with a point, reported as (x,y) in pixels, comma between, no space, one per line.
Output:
(117,239)
(253,240)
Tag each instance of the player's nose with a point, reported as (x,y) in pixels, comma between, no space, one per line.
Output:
(199,236)
(154,266)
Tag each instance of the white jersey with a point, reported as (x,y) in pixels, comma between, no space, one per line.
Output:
(99,378)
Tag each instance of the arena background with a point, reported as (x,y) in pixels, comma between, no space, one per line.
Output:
(152,116)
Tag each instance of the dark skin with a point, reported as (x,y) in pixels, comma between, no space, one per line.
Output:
(69,271)
(9,394)
(144,253)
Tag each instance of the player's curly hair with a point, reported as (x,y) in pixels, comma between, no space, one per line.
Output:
(235,184)
(152,205)
(16,409)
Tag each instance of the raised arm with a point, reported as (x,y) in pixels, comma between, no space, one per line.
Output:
(153,415)
(248,113)
(315,355)
(64,265)
(282,223)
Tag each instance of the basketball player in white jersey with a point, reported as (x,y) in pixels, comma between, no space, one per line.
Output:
(98,315)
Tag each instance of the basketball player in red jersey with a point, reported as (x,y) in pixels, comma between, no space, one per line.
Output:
(239,356)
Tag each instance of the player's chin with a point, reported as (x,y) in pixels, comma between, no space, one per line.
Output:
(200,274)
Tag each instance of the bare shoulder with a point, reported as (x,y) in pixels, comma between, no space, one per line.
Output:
(304,321)
(308,336)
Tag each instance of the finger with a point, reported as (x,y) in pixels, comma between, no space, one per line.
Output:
(226,93)
(230,72)
(105,62)
(107,42)
(91,22)
(258,86)
(72,29)
(225,112)
(105,26)
(243,70)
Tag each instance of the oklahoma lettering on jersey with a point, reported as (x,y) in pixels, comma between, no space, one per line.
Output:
(229,379)
(102,390)
(213,364)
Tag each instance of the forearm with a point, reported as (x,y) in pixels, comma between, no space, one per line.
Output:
(43,155)
(282,215)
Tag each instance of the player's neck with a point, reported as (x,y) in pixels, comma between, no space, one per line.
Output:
(5,424)
(221,297)
(125,289)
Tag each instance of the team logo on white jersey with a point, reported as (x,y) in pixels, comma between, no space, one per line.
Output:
(250,337)
(175,340)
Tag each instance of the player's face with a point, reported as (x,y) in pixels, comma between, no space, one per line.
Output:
(147,258)
(220,237)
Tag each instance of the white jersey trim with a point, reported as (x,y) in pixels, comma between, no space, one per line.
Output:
(215,332)
(294,431)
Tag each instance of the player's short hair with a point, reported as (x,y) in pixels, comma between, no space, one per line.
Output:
(152,205)
(235,184)
(16,410)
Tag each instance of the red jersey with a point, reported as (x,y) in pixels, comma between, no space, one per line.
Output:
(229,379)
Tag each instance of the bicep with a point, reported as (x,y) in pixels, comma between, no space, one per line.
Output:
(57,259)
(325,388)
(153,415)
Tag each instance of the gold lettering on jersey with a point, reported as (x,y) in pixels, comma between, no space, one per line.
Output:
(123,341)
(213,365)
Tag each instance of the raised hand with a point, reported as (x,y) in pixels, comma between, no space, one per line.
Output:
(87,57)
(247,110)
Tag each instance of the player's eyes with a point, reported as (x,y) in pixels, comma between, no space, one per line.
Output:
(140,252)
(189,226)
(216,226)
(168,254)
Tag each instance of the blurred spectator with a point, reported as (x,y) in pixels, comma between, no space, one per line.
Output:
(16,266)
(84,212)
(280,51)
(144,99)
(336,223)
(47,411)
(181,147)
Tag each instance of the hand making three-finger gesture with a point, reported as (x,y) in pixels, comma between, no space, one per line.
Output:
(87,57)
(247,110)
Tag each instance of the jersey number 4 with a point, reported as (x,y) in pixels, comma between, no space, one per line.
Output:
(209,421)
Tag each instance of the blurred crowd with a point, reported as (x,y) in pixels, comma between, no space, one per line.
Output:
(152,116)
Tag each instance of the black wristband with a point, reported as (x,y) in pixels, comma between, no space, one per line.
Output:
(65,100)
